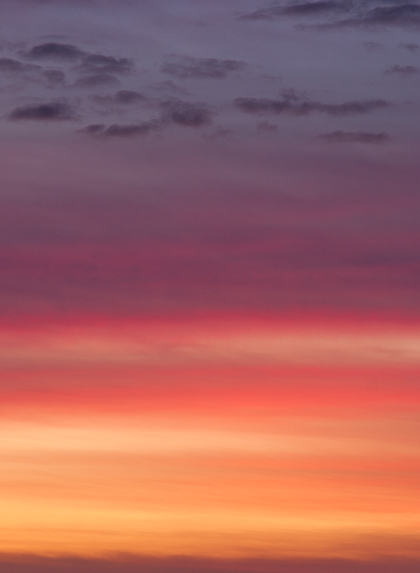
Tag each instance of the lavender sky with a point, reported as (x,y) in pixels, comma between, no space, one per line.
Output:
(190,155)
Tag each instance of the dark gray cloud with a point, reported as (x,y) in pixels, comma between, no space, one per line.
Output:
(93,129)
(372,46)
(360,14)
(98,63)
(53,111)
(55,77)
(410,47)
(54,51)
(402,71)
(117,130)
(10,65)
(186,113)
(294,104)
(122,97)
(128,96)
(354,137)
(400,15)
(96,80)
(130,130)
(188,67)
(301,9)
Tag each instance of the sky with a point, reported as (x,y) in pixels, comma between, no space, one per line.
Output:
(209,286)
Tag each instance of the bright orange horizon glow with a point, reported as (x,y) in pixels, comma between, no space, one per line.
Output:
(263,438)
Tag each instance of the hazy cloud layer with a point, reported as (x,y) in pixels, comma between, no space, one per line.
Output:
(53,111)
(354,137)
(188,67)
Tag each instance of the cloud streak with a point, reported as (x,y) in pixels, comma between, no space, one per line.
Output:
(188,67)
(405,15)
(354,137)
(295,106)
(53,111)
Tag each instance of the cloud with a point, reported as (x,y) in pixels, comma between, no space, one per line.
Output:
(98,63)
(93,129)
(302,9)
(402,71)
(54,51)
(54,111)
(294,104)
(116,130)
(399,15)
(122,97)
(372,46)
(410,47)
(9,65)
(188,67)
(96,80)
(55,77)
(361,15)
(354,137)
(186,113)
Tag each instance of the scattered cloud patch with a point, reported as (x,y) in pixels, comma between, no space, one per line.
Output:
(93,129)
(192,68)
(96,80)
(410,47)
(9,65)
(354,137)
(128,96)
(54,111)
(54,51)
(98,63)
(186,113)
(402,71)
(372,46)
(55,77)
(294,104)
(118,130)
(131,130)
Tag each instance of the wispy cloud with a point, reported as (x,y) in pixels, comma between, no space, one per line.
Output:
(354,137)
(296,105)
(187,67)
(402,71)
